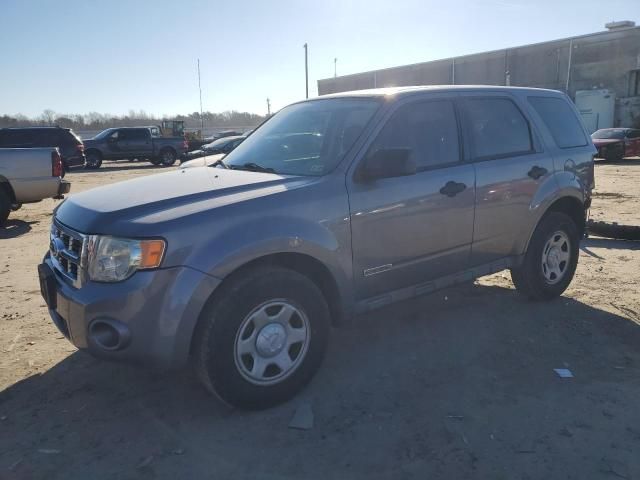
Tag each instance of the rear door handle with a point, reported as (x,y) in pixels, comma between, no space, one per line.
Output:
(451,189)
(536,172)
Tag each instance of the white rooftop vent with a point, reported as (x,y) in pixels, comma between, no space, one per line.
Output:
(620,24)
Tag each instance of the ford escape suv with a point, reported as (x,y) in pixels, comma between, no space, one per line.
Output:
(334,206)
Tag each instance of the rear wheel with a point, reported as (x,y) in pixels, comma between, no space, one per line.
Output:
(551,259)
(262,338)
(168,157)
(93,160)
(155,160)
(5,205)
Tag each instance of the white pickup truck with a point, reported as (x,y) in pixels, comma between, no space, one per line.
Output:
(28,175)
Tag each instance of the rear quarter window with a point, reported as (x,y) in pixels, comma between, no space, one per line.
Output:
(561,120)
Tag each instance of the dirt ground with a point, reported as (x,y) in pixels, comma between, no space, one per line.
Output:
(459,384)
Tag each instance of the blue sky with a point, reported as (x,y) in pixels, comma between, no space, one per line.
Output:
(75,56)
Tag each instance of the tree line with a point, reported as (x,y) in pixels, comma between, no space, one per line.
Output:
(100,121)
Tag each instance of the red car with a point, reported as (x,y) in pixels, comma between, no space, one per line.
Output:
(617,143)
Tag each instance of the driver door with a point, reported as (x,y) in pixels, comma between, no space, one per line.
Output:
(411,229)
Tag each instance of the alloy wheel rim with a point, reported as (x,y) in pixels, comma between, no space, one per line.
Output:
(271,342)
(555,257)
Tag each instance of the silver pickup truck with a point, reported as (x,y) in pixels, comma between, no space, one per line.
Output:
(28,175)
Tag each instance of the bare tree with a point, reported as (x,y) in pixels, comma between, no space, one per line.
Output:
(48,116)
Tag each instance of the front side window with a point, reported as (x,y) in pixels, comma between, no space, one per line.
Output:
(427,129)
(496,128)
(308,138)
(561,121)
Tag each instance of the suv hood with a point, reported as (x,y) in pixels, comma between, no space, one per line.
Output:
(136,205)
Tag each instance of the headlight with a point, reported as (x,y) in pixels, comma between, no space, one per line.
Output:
(112,259)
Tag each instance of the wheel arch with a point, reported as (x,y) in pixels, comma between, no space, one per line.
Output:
(6,186)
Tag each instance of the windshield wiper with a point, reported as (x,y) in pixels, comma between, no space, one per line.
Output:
(253,167)
(219,162)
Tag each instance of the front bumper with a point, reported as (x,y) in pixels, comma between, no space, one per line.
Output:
(158,309)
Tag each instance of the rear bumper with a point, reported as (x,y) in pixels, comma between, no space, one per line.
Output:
(154,311)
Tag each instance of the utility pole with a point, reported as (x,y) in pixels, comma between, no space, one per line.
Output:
(306,70)
(268,107)
(200,89)
(335,67)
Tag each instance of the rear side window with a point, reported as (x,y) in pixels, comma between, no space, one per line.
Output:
(47,138)
(496,128)
(19,138)
(428,129)
(561,121)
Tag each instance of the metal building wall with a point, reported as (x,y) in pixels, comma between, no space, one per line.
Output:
(599,60)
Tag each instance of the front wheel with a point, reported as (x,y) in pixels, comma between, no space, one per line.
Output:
(262,338)
(551,259)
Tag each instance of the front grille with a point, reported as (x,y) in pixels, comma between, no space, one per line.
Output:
(68,252)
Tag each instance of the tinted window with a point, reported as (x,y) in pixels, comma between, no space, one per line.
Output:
(139,134)
(634,134)
(561,121)
(46,138)
(428,129)
(496,127)
(17,139)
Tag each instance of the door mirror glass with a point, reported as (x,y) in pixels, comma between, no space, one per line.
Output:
(388,163)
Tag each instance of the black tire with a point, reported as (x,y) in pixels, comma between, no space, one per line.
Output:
(221,324)
(93,160)
(529,278)
(168,157)
(155,160)
(5,205)
(615,154)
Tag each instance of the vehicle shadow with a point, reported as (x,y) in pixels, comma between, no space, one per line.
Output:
(13,228)
(624,161)
(610,243)
(458,384)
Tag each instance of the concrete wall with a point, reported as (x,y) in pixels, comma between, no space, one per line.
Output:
(599,60)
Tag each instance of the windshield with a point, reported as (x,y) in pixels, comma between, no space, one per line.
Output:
(604,134)
(104,133)
(308,138)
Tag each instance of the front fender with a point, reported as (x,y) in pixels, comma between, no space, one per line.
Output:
(323,241)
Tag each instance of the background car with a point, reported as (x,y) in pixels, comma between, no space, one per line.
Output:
(223,145)
(617,143)
(69,144)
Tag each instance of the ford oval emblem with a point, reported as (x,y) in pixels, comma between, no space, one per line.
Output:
(57,246)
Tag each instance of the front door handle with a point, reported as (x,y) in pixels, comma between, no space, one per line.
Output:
(536,172)
(451,189)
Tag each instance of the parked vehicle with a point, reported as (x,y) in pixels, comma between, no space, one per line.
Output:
(28,175)
(133,142)
(223,134)
(68,143)
(616,143)
(223,145)
(334,206)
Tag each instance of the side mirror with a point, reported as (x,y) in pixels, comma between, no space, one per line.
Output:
(388,163)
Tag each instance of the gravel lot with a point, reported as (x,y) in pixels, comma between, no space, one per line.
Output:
(459,384)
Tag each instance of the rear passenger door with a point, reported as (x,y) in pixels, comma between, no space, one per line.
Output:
(411,229)
(633,143)
(510,165)
(135,142)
